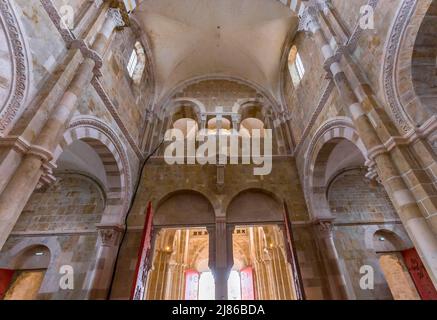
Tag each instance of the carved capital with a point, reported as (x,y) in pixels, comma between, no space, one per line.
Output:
(325,226)
(116,16)
(372,172)
(109,236)
(308,21)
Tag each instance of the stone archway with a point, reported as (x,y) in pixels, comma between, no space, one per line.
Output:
(406,107)
(328,137)
(115,161)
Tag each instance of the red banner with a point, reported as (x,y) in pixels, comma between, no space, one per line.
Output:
(420,276)
(139,285)
(292,256)
(5,281)
(247,288)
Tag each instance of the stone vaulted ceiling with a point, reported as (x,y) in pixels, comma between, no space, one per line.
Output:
(236,38)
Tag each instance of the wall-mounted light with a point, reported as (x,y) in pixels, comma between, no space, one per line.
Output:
(381,239)
(38,254)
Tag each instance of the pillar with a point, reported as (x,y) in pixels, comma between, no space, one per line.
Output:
(409,212)
(109,238)
(221,256)
(325,238)
(23,182)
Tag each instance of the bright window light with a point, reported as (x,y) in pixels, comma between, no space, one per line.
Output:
(133,61)
(295,66)
(299,66)
(234,286)
(206,286)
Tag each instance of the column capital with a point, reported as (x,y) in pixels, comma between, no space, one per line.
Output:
(117,18)
(109,235)
(308,20)
(324,225)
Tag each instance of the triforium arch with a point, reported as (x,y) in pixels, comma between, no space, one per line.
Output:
(104,142)
(330,134)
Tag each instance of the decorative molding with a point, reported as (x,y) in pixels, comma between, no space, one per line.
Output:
(54,15)
(389,69)
(89,54)
(20,83)
(70,39)
(320,106)
(113,111)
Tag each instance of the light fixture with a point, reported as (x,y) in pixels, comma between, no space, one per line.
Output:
(381,239)
(38,254)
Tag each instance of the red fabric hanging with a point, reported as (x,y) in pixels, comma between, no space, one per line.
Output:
(420,276)
(5,281)
(138,288)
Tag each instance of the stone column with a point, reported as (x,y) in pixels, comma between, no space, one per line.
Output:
(21,186)
(409,212)
(221,265)
(108,242)
(236,119)
(325,238)
(156,282)
(281,286)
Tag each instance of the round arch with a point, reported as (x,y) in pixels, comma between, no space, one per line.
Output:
(405,106)
(110,150)
(184,208)
(329,135)
(254,206)
(182,85)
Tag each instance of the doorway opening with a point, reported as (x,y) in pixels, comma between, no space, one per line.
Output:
(261,270)
(180,267)
(24,280)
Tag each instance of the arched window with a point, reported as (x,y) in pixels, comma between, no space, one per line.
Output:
(137,63)
(188,127)
(295,66)
(248,125)
(225,126)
